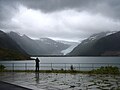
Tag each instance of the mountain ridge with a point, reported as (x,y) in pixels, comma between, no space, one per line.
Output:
(98,47)
(9,49)
(43,46)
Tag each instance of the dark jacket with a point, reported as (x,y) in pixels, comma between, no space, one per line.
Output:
(37,61)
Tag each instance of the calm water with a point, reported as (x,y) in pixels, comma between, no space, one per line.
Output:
(63,63)
(80,59)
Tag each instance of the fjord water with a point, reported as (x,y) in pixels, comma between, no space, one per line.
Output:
(61,61)
(80,59)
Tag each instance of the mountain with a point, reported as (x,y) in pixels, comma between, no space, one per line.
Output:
(9,49)
(72,45)
(43,46)
(51,46)
(26,43)
(101,44)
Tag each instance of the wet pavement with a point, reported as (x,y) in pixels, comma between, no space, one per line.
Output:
(7,86)
(55,81)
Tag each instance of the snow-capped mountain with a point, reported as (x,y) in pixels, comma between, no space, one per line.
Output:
(97,36)
(53,47)
(104,43)
(42,46)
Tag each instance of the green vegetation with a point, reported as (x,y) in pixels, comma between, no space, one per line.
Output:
(8,54)
(101,70)
(106,70)
(49,71)
(2,67)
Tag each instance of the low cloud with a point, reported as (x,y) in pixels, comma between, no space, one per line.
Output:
(68,24)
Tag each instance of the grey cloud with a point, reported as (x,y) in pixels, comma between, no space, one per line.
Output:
(7,9)
(56,5)
(109,9)
(106,7)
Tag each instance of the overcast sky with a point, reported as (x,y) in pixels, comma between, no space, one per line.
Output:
(72,20)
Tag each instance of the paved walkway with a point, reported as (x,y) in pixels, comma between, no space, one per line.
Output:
(59,81)
(7,86)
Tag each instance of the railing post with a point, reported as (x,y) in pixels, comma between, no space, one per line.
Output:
(65,66)
(39,66)
(108,70)
(79,67)
(13,67)
(119,68)
(0,67)
(108,65)
(93,66)
(25,66)
(51,67)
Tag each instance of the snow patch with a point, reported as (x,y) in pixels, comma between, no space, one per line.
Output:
(93,38)
(110,33)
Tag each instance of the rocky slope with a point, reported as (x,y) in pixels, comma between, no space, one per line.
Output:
(9,49)
(102,44)
(43,46)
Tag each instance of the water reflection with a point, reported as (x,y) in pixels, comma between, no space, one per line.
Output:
(37,77)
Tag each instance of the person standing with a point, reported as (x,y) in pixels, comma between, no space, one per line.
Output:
(37,64)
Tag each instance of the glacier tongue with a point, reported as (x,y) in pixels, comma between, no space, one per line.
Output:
(68,50)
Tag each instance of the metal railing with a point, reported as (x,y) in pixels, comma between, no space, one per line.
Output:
(57,66)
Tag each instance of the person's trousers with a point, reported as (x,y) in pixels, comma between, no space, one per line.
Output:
(37,68)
